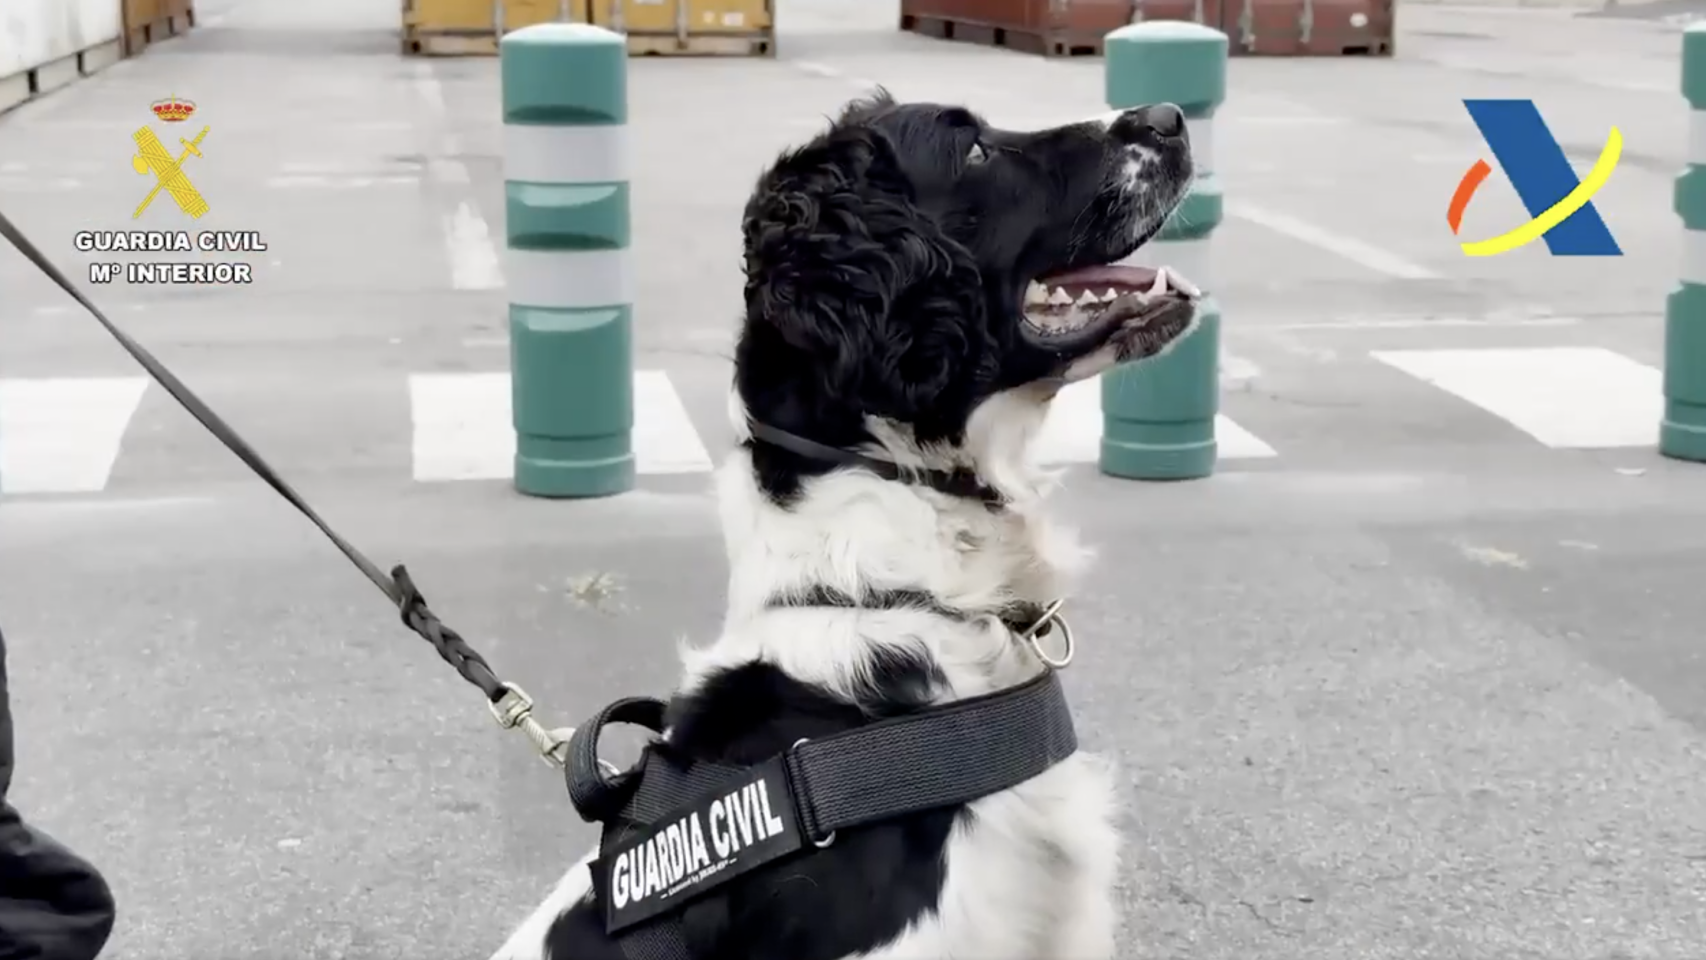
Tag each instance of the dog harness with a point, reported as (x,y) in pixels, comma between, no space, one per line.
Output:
(673,833)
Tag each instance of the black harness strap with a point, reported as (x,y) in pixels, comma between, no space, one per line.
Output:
(885,769)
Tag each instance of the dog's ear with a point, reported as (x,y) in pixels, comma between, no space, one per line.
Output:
(848,271)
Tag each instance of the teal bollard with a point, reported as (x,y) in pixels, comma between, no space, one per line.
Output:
(1158,418)
(1682,432)
(565,114)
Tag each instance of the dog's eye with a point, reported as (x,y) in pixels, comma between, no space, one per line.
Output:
(977,155)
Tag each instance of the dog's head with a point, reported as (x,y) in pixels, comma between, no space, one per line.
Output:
(912,264)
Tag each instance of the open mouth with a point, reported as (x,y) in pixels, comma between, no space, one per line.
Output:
(1069,310)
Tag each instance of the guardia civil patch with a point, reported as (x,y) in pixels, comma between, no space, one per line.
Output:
(691,850)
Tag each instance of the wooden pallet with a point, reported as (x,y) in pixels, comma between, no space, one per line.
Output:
(702,45)
(1054,43)
(449,43)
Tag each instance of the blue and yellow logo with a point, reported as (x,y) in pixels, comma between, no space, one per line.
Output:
(1561,206)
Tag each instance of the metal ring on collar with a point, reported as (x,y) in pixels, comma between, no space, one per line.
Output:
(1051,618)
(826,841)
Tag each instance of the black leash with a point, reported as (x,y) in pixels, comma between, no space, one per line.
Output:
(509,704)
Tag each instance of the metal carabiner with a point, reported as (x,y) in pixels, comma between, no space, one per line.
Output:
(1050,619)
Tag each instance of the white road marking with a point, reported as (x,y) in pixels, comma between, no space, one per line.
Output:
(1565,397)
(63,435)
(1420,323)
(314,181)
(1356,251)
(462,427)
(474,263)
(1073,431)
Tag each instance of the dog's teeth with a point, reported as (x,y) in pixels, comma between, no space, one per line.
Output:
(1036,294)
(1088,299)
(1060,298)
(1159,287)
(1184,286)
(1110,296)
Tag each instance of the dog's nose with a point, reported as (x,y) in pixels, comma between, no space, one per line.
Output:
(1145,125)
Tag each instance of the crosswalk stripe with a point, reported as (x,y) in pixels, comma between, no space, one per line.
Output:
(462,428)
(1566,397)
(63,435)
(1073,431)
(665,440)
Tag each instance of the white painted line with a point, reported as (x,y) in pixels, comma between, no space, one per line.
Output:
(429,89)
(474,263)
(569,278)
(541,154)
(1073,431)
(1357,252)
(1284,122)
(441,165)
(64,435)
(43,185)
(445,168)
(1415,323)
(297,181)
(1567,397)
(1237,443)
(832,73)
(664,438)
(817,69)
(462,429)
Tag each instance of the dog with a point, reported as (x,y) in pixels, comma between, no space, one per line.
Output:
(919,285)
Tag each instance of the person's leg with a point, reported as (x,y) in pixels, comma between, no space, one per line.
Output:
(54,905)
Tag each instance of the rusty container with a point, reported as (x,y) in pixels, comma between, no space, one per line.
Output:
(1306,28)
(1052,27)
(1206,12)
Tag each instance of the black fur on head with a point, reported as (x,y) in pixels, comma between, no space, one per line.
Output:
(888,261)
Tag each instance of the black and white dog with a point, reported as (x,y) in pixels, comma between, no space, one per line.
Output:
(919,286)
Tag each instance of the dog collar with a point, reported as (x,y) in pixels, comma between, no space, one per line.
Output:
(956,483)
(1030,622)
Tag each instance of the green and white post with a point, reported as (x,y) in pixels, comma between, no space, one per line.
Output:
(1158,418)
(1682,432)
(565,114)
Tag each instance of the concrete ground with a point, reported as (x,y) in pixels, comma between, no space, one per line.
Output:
(1419,674)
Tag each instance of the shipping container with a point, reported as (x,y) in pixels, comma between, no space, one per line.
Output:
(1289,28)
(1055,28)
(1292,28)
(151,21)
(474,27)
(525,13)
(1206,12)
(691,27)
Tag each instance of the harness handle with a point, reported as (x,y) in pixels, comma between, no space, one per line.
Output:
(509,704)
(597,789)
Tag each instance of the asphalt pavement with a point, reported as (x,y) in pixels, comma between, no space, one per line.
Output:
(1419,673)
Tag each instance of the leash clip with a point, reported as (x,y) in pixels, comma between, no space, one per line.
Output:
(514,711)
(1045,624)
